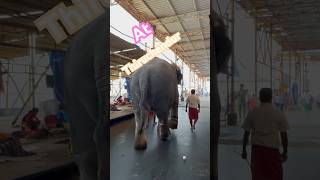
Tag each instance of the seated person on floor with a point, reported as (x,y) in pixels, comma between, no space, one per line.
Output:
(62,118)
(30,121)
(30,125)
(119,100)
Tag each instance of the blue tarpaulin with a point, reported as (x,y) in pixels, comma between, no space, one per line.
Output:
(127,87)
(295,92)
(56,64)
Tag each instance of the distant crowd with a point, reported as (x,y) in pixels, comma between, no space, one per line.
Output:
(283,101)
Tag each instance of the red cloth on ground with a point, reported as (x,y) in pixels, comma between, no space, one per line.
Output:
(193,113)
(266,163)
(51,121)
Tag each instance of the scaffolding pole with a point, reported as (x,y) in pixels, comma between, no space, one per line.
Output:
(189,79)
(255,58)
(30,96)
(300,74)
(7,88)
(290,53)
(270,55)
(182,82)
(281,66)
(32,53)
(232,117)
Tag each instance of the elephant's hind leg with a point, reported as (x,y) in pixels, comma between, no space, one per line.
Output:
(102,149)
(82,128)
(173,122)
(141,117)
(163,128)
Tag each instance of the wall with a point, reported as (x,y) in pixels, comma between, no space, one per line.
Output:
(21,79)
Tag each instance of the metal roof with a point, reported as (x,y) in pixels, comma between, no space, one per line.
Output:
(189,17)
(122,52)
(295,24)
(16,21)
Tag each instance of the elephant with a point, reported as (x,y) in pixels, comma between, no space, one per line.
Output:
(154,87)
(85,89)
(220,50)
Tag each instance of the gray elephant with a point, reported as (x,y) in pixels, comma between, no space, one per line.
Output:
(85,82)
(154,87)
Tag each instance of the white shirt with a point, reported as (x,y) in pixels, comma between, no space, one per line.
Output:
(265,124)
(193,101)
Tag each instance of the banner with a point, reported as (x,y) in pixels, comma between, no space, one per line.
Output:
(127,87)
(56,63)
(295,92)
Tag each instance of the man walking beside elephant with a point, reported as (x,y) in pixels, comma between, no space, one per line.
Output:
(193,102)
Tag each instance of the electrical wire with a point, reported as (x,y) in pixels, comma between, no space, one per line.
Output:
(140,42)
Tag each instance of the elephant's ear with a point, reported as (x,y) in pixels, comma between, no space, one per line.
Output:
(179,75)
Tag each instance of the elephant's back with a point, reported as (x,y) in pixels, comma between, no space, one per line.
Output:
(81,51)
(157,76)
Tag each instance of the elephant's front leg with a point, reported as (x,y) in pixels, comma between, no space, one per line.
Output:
(173,122)
(141,117)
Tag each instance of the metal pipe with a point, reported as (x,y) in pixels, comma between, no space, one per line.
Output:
(32,53)
(290,52)
(30,96)
(303,75)
(256,58)
(232,56)
(182,82)
(7,88)
(281,66)
(300,74)
(271,61)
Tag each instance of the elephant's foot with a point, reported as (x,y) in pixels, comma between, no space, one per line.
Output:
(164,131)
(173,123)
(140,142)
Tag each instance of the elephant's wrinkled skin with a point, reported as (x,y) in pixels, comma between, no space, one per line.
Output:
(85,98)
(154,87)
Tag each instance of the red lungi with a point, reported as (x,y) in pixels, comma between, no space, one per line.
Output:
(266,163)
(193,113)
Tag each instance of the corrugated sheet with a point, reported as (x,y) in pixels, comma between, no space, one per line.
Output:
(191,16)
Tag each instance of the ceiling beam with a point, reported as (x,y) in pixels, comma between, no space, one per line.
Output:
(30,27)
(181,17)
(3,44)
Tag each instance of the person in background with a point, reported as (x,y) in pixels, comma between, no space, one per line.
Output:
(62,118)
(307,102)
(311,101)
(252,103)
(185,92)
(285,101)
(242,99)
(267,127)
(193,102)
(281,101)
(30,121)
(318,100)
(277,100)
(119,100)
